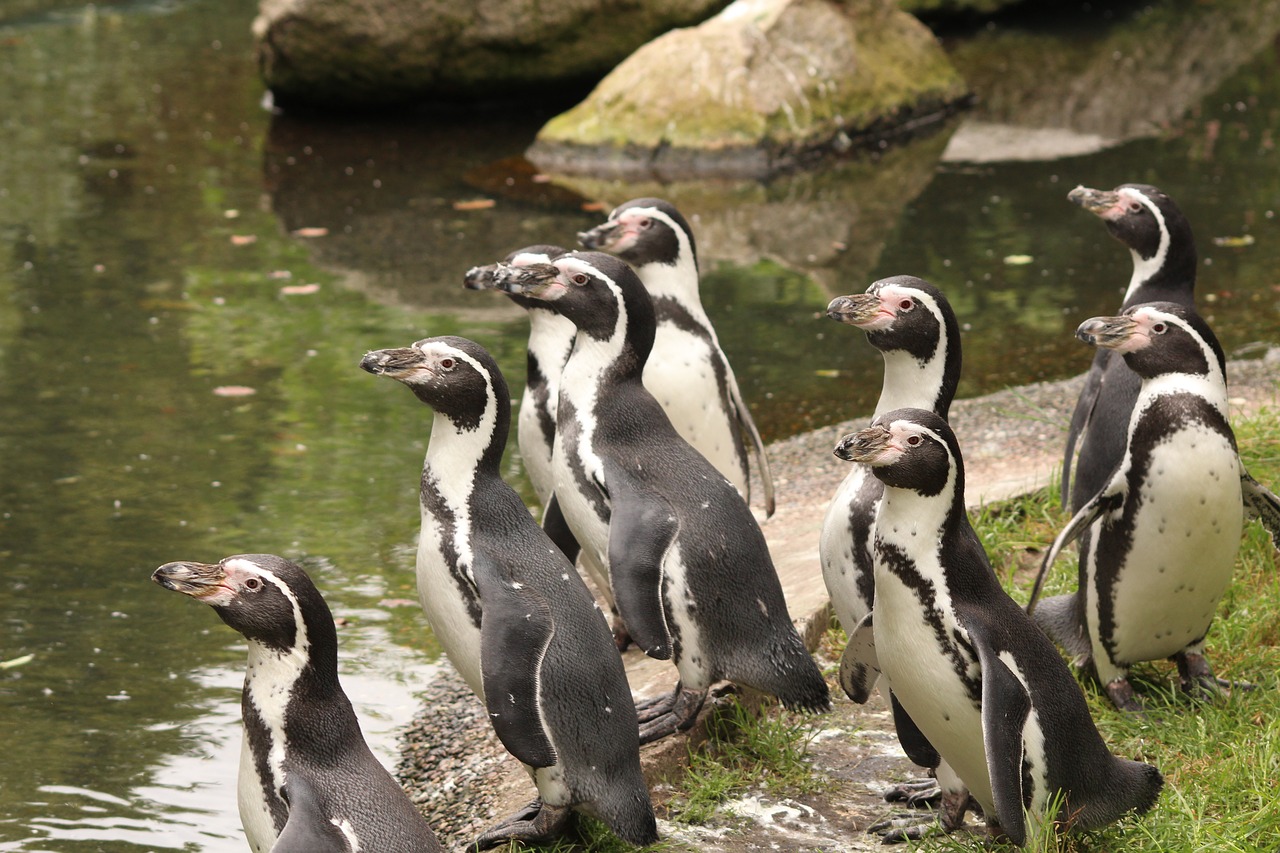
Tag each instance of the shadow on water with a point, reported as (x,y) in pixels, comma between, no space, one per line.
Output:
(165,242)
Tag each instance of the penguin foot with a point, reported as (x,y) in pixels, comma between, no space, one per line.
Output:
(685,706)
(900,828)
(1121,693)
(535,822)
(918,794)
(1197,680)
(655,706)
(913,827)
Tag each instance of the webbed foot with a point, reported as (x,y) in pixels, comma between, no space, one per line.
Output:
(535,822)
(678,716)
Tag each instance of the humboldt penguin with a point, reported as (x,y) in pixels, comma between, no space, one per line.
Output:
(308,782)
(1158,541)
(550,338)
(915,329)
(975,683)
(687,371)
(1164,270)
(511,613)
(690,569)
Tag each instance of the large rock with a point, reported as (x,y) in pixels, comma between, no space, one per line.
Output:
(360,53)
(757,88)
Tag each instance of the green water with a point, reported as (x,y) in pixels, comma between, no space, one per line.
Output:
(135,160)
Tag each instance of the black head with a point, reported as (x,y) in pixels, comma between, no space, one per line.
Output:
(1146,220)
(643,231)
(482,278)
(908,449)
(454,376)
(598,293)
(1158,338)
(266,598)
(904,313)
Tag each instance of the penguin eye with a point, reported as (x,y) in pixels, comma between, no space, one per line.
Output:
(580,278)
(1135,207)
(447,363)
(906,304)
(914,440)
(253,584)
(1159,328)
(645,224)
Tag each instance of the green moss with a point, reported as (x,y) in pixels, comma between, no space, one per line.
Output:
(900,72)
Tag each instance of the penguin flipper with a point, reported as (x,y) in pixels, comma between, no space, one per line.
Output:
(749,432)
(913,741)
(642,529)
(1261,503)
(859,665)
(1080,417)
(515,630)
(1108,500)
(308,829)
(1005,708)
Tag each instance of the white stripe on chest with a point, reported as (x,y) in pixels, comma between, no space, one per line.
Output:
(923,678)
(451,461)
(550,339)
(270,677)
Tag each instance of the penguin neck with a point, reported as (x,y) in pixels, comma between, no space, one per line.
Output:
(621,356)
(678,281)
(1212,387)
(456,450)
(1169,275)
(550,341)
(912,383)
(907,517)
(275,680)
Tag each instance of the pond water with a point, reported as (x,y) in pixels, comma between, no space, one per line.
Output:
(163,238)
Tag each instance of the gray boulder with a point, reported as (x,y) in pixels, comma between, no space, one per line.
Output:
(760,87)
(362,53)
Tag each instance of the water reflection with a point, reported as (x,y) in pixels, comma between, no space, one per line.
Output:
(150,254)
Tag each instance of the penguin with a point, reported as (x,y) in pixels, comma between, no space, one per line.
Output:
(308,782)
(550,338)
(913,326)
(1158,541)
(1164,270)
(687,371)
(915,329)
(690,570)
(975,683)
(511,613)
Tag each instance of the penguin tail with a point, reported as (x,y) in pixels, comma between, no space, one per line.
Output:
(629,814)
(1133,787)
(800,687)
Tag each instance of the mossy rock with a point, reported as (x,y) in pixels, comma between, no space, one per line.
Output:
(755,89)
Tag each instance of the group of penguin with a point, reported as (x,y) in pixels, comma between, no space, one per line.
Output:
(636,438)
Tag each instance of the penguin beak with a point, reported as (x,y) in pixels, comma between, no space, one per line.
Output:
(480,278)
(867,446)
(854,310)
(1097,202)
(1108,332)
(601,237)
(391,362)
(198,580)
(535,280)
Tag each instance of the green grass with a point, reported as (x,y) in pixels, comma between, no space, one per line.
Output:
(1220,760)
(745,751)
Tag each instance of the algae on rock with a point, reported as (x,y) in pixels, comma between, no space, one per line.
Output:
(757,88)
